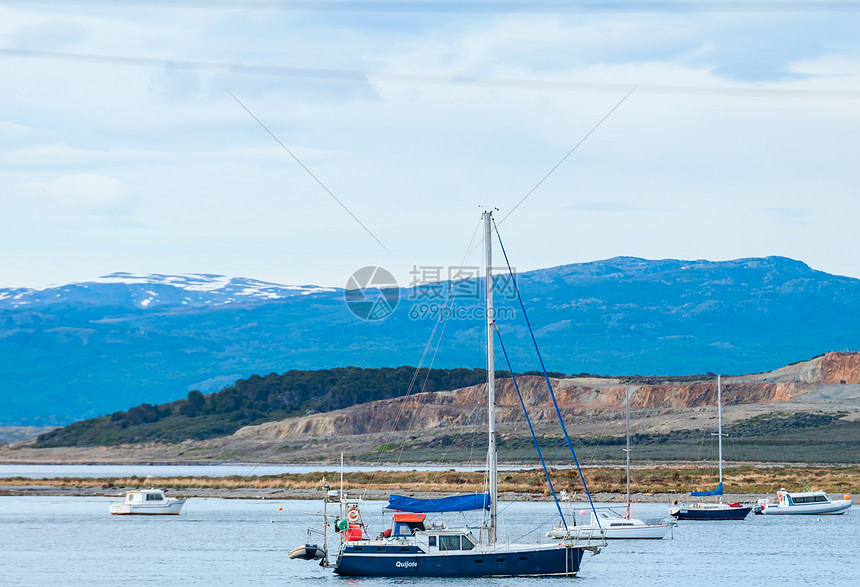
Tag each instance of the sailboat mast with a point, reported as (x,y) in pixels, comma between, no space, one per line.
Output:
(627,450)
(491,376)
(720,431)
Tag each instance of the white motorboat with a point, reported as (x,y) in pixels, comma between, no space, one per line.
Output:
(803,502)
(147,501)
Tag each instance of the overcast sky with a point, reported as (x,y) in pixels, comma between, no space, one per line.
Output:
(122,150)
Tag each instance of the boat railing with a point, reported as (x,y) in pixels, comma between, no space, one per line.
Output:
(659,521)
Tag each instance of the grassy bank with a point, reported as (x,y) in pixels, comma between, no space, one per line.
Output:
(777,437)
(659,479)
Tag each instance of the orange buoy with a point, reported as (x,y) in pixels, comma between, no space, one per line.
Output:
(280,508)
(847,497)
(353,533)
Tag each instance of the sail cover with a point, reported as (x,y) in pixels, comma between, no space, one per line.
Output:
(717,491)
(455,503)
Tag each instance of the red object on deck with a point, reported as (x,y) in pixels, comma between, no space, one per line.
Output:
(409,517)
(353,533)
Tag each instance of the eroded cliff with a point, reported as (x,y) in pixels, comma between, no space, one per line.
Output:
(830,382)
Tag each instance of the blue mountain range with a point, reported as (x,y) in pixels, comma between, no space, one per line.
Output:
(86,349)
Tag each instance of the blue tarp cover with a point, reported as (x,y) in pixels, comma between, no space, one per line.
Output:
(455,503)
(717,491)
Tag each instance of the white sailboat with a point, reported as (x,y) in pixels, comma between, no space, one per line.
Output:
(609,523)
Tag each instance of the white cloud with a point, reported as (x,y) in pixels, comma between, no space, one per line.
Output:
(82,192)
(14,130)
(62,154)
(672,173)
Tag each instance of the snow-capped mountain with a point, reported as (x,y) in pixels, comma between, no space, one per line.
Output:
(149,290)
(91,348)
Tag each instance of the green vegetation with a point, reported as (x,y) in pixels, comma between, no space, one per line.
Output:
(802,437)
(256,400)
(658,479)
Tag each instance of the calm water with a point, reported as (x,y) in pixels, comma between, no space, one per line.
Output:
(74,541)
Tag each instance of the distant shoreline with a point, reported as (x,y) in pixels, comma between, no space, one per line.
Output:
(642,464)
(315,495)
(656,483)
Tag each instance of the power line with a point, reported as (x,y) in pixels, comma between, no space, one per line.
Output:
(467,7)
(309,172)
(429,79)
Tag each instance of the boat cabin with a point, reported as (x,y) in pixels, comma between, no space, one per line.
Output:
(612,520)
(414,529)
(407,524)
(145,496)
(436,536)
(809,497)
(450,541)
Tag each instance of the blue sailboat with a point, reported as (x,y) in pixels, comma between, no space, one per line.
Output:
(416,546)
(719,510)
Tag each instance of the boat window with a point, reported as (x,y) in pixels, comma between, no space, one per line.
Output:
(153,497)
(457,542)
(449,543)
(809,499)
(432,541)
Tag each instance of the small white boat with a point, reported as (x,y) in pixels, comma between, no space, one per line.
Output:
(609,524)
(613,526)
(803,502)
(147,501)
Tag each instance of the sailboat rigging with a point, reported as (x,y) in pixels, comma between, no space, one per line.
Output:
(606,522)
(713,511)
(419,547)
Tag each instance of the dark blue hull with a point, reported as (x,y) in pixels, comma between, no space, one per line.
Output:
(697,514)
(561,560)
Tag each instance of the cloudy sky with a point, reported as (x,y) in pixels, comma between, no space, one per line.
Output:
(144,136)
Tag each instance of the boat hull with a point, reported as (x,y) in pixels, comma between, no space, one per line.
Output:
(173,508)
(556,560)
(711,514)
(307,552)
(834,508)
(646,532)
